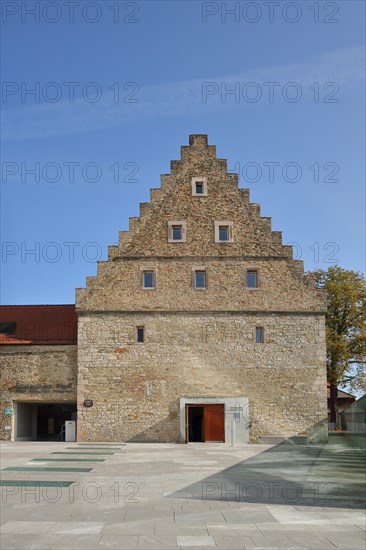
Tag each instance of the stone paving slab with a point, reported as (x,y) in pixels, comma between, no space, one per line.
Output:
(200,518)
(164,527)
(157,541)
(250,516)
(187,541)
(28,542)
(315,541)
(75,541)
(118,541)
(77,527)
(344,541)
(246,529)
(132,528)
(23,483)
(155,496)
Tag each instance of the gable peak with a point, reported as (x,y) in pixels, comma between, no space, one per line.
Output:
(198,140)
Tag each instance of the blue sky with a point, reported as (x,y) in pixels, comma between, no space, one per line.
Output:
(116,98)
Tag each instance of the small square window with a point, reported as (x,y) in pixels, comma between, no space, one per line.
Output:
(140,334)
(259,335)
(199,186)
(252,279)
(177,232)
(148,279)
(200,279)
(223,232)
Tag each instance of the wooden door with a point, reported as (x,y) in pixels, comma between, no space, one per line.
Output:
(214,423)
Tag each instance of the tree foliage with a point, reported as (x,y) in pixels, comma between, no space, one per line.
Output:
(345,330)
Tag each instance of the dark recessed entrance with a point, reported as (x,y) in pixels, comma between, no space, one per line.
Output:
(195,423)
(42,421)
(205,422)
(50,419)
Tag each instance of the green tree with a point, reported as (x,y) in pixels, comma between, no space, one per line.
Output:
(345,331)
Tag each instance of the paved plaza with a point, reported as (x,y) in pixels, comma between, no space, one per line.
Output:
(70,495)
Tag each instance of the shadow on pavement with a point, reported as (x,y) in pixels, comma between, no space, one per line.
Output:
(331,475)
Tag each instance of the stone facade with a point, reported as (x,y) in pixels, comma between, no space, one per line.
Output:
(38,369)
(199,342)
(34,374)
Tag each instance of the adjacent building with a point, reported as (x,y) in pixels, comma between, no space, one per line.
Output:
(38,370)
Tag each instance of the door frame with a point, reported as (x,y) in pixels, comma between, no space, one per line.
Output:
(235,407)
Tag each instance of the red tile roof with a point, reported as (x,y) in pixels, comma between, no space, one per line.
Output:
(48,324)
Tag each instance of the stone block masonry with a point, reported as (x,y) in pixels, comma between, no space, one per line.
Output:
(199,342)
(33,374)
(200,322)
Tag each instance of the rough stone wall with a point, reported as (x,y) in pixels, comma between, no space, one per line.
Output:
(117,284)
(136,387)
(36,373)
(119,287)
(199,342)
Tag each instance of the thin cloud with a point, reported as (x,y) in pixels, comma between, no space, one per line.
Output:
(173,100)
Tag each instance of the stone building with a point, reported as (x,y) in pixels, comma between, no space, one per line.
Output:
(38,370)
(200,326)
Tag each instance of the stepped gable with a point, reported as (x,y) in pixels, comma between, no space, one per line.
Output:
(146,238)
(146,235)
